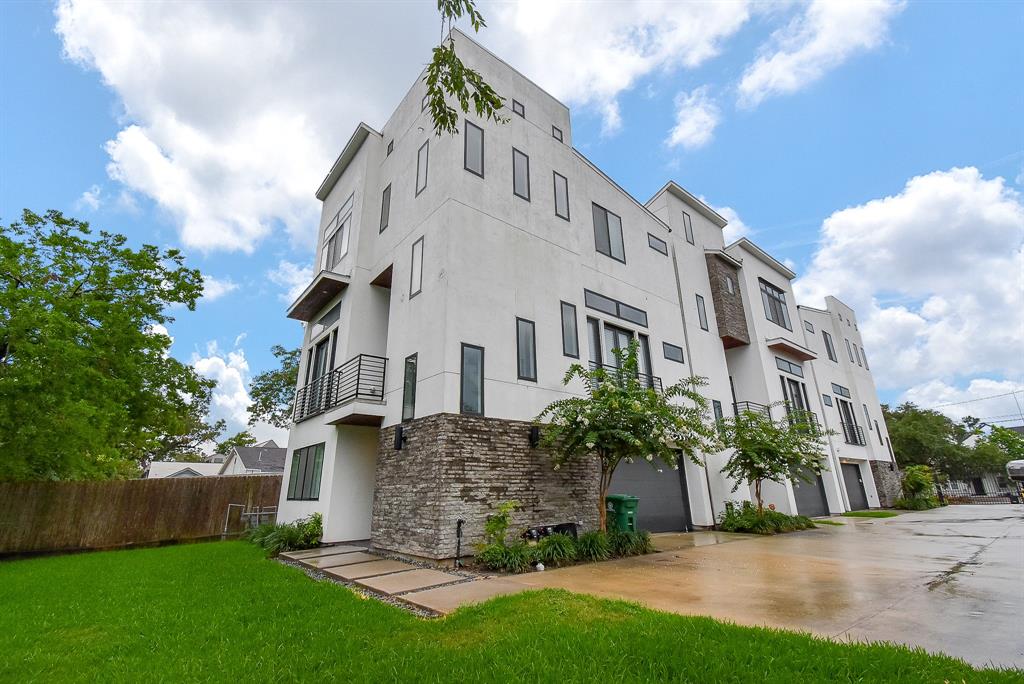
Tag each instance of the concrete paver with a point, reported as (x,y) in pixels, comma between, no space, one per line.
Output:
(447,599)
(360,570)
(334,561)
(408,581)
(322,551)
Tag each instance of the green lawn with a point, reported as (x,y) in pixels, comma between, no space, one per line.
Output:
(221,612)
(870,514)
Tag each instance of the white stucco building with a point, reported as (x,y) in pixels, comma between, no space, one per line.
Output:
(458,277)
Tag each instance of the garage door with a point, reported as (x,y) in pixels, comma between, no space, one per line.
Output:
(810,496)
(855,487)
(661,491)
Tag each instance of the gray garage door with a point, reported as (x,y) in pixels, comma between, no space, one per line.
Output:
(855,487)
(810,496)
(661,492)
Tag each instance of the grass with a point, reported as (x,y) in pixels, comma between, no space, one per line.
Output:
(870,514)
(826,521)
(222,612)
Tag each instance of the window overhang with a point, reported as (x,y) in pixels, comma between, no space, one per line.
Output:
(325,287)
(781,344)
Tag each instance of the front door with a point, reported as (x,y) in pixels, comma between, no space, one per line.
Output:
(855,487)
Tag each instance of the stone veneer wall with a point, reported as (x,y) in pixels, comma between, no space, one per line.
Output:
(454,466)
(732,320)
(889,483)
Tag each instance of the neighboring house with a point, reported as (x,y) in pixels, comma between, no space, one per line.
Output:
(265,458)
(458,277)
(158,469)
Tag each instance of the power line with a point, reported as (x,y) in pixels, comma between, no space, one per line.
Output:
(971,401)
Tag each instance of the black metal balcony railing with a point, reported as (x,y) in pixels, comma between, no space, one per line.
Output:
(853,434)
(739,407)
(651,381)
(803,417)
(361,377)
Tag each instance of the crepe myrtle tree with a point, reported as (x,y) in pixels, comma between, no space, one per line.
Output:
(621,418)
(775,450)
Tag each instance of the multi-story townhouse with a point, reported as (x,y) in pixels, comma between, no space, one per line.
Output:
(457,279)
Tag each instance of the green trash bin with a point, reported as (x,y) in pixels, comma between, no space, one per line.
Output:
(621,512)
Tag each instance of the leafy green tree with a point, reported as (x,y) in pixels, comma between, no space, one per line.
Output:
(87,387)
(273,391)
(765,448)
(447,76)
(241,439)
(621,418)
(1009,442)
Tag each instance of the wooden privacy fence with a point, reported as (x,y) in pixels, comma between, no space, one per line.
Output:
(37,517)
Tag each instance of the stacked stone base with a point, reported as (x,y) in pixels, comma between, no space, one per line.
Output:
(454,466)
(889,483)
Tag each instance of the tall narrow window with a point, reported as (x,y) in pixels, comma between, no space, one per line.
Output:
(688,228)
(471,394)
(702,315)
(520,174)
(856,355)
(716,406)
(775,308)
(561,196)
(849,349)
(304,478)
(867,416)
(473,154)
(864,355)
(829,348)
(730,285)
(646,363)
(409,389)
(594,332)
(608,234)
(556,133)
(570,336)
(526,349)
(391,148)
(385,208)
(422,157)
(416,270)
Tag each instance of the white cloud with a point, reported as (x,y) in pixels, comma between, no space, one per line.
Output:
(587,54)
(230,370)
(936,274)
(825,35)
(292,277)
(990,400)
(736,227)
(697,115)
(91,199)
(215,288)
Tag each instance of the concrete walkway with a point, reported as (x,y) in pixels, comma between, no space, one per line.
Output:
(949,580)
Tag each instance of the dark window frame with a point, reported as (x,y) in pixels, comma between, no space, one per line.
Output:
(826,399)
(588,296)
(424,101)
(465,149)
(391,148)
(595,208)
(841,391)
(702,313)
(688,228)
(519,356)
(657,244)
(809,327)
(426,167)
(412,266)
(849,350)
(787,366)
(829,346)
(554,180)
(527,158)
(385,209)
(575,328)
(772,293)
(405,387)
(668,346)
(462,382)
(301,488)
(556,133)
(518,108)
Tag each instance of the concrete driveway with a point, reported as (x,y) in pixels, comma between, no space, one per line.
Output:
(949,580)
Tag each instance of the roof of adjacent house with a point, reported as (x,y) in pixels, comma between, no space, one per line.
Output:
(266,459)
(158,469)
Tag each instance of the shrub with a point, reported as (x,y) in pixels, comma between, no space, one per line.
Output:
(497,524)
(304,533)
(746,518)
(923,503)
(628,543)
(918,482)
(513,558)
(593,546)
(555,550)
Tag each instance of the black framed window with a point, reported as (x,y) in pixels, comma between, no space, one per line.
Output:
(867,416)
(849,350)
(840,390)
(789,367)
(570,334)
(864,355)
(471,390)
(518,108)
(556,133)
(561,196)
(304,479)
(829,348)
(416,269)
(657,244)
(856,355)
(826,399)
(809,327)
(702,314)
(673,352)
(409,388)
(422,160)
(473,149)
(526,349)
(716,406)
(774,301)
(385,208)
(520,174)
(613,307)
(688,228)
(391,148)
(424,101)
(608,234)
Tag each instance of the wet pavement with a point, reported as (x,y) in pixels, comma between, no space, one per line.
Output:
(949,580)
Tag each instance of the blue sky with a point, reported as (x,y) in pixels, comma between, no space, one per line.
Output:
(144,120)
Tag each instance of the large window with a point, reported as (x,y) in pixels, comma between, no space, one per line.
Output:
(688,228)
(608,234)
(336,235)
(615,308)
(471,394)
(702,314)
(526,349)
(829,348)
(520,174)
(561,196)
(409,389)
(775,308)
(304,480)
(473,154)
(416,269)
(422,157)
(570,336)
(385,208)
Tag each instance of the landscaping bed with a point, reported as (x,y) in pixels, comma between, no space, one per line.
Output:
(223,612)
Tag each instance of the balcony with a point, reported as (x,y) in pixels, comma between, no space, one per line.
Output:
(804,418)
(650,381)
(853,434)
(751,406)
(360,379)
